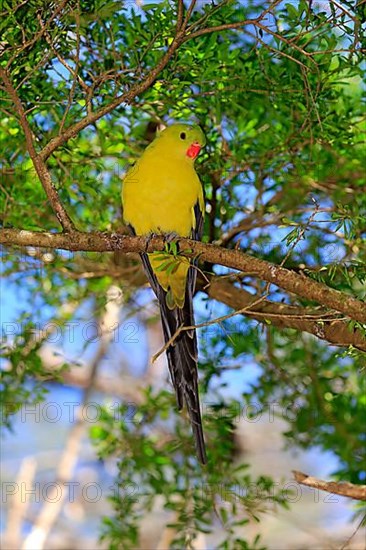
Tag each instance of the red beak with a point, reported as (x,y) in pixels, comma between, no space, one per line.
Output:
(193,150)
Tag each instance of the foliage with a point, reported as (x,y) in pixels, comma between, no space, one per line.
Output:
(281,105)
(152,467)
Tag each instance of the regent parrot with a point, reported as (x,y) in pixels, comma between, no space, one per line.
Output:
(162,194)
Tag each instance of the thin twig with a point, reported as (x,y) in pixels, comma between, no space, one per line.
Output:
(189,13)
(328,326)
(63,62)
(348,540)
(38,34)
(142,85)
(280,38)
(218,28)
(216,321)
(76,77)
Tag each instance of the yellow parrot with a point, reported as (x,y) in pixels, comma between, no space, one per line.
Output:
(162,194)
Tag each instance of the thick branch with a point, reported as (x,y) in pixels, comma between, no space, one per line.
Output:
(38,163)
(342,488)
(284,278)
(321,324)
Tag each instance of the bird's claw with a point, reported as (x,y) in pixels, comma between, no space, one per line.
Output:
(170,237)
(150,237)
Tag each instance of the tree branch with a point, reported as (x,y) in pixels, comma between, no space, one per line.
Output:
(256,23)
(284,278)
(324,325)
(181,36)
(342,488)
(38,163)
(39,33)
(189,13)
(127,97)
(180,9)
(218,28)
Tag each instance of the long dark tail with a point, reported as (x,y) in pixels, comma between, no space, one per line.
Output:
(182,354)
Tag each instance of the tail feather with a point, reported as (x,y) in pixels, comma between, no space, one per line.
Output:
(182,354)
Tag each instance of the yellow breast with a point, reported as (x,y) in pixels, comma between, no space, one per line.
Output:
(159,195)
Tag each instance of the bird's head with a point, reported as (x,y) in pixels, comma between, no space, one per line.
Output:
(183,139)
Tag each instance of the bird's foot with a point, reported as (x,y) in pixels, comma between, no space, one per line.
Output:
(171,237)
(149,238)
(171,241)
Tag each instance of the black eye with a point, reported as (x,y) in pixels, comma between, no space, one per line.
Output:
(183,135)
